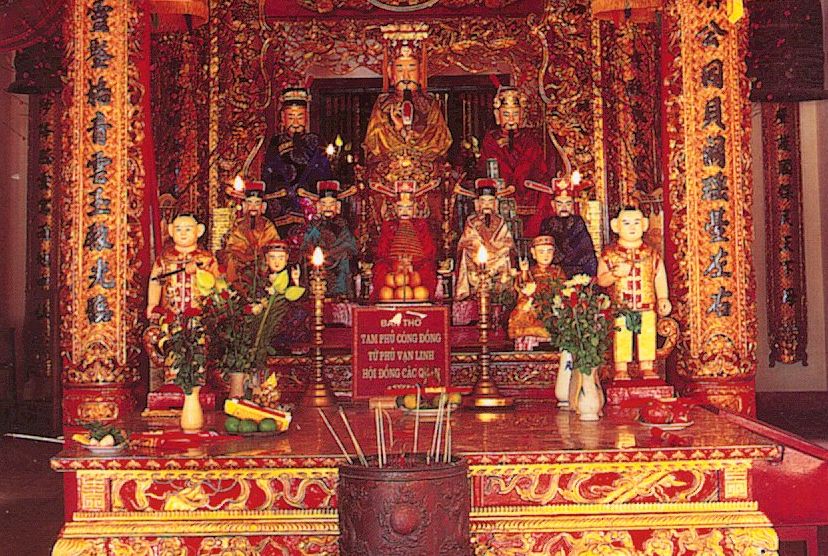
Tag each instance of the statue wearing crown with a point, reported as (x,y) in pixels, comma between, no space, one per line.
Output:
(520,156)
(330,231)
(487,228)
(251,231)
(406,127)
(574,250)
(405,254)
(294,158)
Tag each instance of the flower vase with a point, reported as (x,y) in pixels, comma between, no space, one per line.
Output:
(192,416)
(590,397)
(563,379)
(236,382)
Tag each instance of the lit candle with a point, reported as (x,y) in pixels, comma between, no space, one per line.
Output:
(338,141)
(482,255)
(318,257)
(576,177)
(330,150)
(238,184)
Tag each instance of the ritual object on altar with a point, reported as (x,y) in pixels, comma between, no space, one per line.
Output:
(268,394)
(101,437)
(265,419)
(250,232)
(488,229)
(294,159)
(574,249)
(331,232)
(520,155)
(665,411)
(404,257)
(526,326)
(318,393)
(485,394)
(637,280)
(580,319)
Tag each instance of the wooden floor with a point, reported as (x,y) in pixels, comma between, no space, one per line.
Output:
(31,497)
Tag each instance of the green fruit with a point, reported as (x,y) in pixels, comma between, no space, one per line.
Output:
(267,425)
(248,425)
(231,424)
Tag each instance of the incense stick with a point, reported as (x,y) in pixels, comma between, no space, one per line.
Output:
(335,436)
(355,442)
(377,435)
(446,451)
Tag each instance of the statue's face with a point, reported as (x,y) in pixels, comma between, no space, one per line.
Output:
(406,73)
(253,206)
(294,119)
(509,117)
(487,204)
(328,207)
(185,231)
(564,206)
(276,260)
(543,254)
(630,225)
(405,209)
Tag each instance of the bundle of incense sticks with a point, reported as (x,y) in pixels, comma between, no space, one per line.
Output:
(441,442)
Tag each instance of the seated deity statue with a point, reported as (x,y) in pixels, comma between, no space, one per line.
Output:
(405,254)
(574,250)
(294,159)
(635,275)
(519,154)
(524,321)
(251,231)
(487,228)
(330,231)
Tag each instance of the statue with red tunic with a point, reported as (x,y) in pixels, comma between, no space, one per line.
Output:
(520,156)
(405,255)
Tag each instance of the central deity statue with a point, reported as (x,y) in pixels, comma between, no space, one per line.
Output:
(407,135)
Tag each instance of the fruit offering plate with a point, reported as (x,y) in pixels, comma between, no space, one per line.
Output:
(259,433)
(105,450)
(667,426)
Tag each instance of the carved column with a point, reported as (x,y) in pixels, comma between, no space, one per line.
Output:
(97,243)
(710,195)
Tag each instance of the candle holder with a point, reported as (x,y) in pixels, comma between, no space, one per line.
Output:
(485,394)
(318,393)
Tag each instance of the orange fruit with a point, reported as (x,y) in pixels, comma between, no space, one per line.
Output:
(404,292)
(389,279)
(386,293)
(400,279)
(420,293)
(415,279)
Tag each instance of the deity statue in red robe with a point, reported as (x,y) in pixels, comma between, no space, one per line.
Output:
(519,154)
(405,255)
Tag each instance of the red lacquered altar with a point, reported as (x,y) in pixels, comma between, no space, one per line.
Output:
(541,482)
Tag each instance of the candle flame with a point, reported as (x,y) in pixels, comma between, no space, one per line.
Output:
(338,141)
(576,177)
(482,255)
(238,184)
(318,257)
(330,149)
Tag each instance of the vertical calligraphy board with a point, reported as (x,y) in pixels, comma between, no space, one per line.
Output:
(397,347)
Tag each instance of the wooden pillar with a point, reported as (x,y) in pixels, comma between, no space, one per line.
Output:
(97,289)
(710,195)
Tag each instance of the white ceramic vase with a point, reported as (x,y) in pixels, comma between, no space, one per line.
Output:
(192,416)
(563,379)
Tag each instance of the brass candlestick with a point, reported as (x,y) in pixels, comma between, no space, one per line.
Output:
(318,393)
(485,394)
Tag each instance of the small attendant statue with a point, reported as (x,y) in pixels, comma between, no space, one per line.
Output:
(485,227)
(172,286)
(635,275)
(525,326)
(330,231)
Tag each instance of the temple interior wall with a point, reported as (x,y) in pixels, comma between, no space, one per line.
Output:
(14,145)
(814,139)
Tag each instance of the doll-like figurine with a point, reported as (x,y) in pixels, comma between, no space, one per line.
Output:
(172,285)
(525,325)
(637,280)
